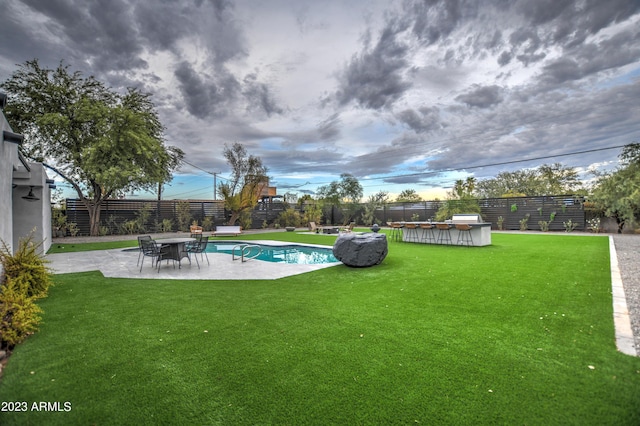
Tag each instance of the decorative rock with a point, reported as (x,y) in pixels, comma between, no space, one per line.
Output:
(360,250)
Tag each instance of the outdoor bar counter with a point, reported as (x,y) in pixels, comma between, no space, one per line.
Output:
(479,235)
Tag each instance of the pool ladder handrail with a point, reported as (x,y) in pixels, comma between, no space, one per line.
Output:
(245,250)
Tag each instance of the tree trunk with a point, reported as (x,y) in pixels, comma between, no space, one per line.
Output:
(93,209)
(234,218)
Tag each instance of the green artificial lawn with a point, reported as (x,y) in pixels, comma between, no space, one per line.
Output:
(520,332)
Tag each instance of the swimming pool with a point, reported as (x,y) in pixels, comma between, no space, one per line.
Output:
(277,252)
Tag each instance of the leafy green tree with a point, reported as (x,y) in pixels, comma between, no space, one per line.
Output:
(373,203)
(101,142)
(617,193)
(408,196)
(548,179)
(248,179)
(344,194)
(460,200)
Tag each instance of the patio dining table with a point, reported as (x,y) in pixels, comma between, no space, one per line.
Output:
(174,248)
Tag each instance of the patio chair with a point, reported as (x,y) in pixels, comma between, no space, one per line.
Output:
(349,228)
(313,227)
(140,239)
(198,237)
(198,247)
(151,249)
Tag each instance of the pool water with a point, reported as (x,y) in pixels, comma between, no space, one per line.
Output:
(292,254)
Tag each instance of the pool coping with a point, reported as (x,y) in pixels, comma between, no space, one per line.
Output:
(120,263)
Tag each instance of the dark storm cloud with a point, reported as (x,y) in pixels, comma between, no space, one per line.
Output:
(541,125)
(102,33)
(434,20)
(423,120)
(374,79)
(206,96)
(448,83)
(481,96)
(329,129)
(259,97)
(592,58)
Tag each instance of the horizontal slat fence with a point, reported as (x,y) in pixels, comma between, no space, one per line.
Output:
(114,212)
(555,210)
(512,210)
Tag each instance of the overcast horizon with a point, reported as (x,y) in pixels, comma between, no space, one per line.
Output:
(401,94)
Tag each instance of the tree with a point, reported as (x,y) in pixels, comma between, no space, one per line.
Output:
(460,200)
(408,196)
(373,203)
(548,179)
(99,141)
(617,193)
(248,179)
(344,194)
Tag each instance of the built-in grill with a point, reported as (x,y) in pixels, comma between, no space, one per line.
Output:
(466,218)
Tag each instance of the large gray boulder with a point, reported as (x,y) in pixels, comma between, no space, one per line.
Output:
(360,250)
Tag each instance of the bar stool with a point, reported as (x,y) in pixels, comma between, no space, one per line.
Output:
(464,234)
(411,232)
(427,233)
(444,233)
(396,231)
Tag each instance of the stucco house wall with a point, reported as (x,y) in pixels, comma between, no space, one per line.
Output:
(20,216)
(8,159)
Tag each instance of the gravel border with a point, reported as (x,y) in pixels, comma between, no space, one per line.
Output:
(628,252)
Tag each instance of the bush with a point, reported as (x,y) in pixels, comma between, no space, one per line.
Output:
(289,217)
(167,225)
(25,279)
(312,213)
(183,211)
(19,315)
(570,225)
(207,223)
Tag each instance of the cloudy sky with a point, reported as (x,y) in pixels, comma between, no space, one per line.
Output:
(407,94)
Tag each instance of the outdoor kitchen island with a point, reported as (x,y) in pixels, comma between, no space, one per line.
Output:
(462,229)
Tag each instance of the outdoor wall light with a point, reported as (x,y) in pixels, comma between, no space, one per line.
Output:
(12,137)
(31,196)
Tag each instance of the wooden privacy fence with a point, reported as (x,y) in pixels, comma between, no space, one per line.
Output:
(117,212)
(555,210)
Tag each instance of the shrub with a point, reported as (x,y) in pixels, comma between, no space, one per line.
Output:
(130,227)
(183,212)
(19,315)
(289,217)
(569,225)
(167,225)
(73,229)
(142,217)
(312,213)
(594,224)
(524,222)
(207,223)
(544,225)
(25,279)
(26,267)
